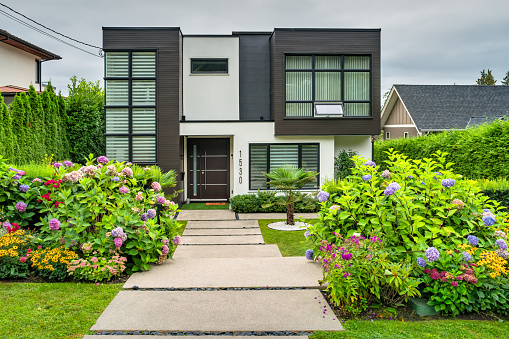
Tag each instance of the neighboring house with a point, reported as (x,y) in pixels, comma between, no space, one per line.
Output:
(21,64)
(222,109)
(413,110)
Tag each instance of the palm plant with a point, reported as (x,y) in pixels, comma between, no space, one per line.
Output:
(289,178)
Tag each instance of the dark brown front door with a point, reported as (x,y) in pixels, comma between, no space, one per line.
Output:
(208,164)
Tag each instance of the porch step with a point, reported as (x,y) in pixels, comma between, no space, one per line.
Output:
(223,240)
(218,311)
(206,215)
(227,251)
(222,224)
(221,231)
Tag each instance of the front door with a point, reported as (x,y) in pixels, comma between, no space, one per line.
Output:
(208,174)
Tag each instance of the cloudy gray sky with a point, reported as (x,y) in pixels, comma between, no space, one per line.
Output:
(423,42)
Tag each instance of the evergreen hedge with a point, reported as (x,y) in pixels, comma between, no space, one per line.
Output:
(477,153)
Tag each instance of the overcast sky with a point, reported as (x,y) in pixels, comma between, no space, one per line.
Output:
(423,42)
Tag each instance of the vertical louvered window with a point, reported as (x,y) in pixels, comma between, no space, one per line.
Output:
(340,80)
(130,106)
(266,157)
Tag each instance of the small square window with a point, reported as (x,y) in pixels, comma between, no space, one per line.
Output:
(387,135)
(210,66)
(405,135)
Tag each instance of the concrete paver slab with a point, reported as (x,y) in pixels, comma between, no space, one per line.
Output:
(206,215)
(222,224)
(227,251)
(270,310)
(222,231)
(223,240)
(207,337)
(230,272)
(257,216)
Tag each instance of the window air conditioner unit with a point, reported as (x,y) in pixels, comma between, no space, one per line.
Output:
(329,110)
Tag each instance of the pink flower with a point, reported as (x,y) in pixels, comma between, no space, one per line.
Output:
(36,180)
(161,200)
(21,207)
(156,186)
(165,250)
(118,242)
(54,224)
(176,240)
(123,189)
(139,196)
(127,172)
(102,159)
(22,173)
(23,259)
(94,259)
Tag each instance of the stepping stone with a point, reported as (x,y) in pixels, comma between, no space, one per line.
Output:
(223,240)
(223,224)
(230,273)
(218,311)
(208,337)
(257,216)
(227,251)
(221,231)
(206,215)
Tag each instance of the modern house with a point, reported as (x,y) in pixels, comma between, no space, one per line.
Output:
(222,109)
(20,65)
(413,110)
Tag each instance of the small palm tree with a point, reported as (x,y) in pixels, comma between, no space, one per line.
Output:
(289,178)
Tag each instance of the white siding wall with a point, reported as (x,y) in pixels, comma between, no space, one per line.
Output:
(244,133)
(17,67)
(359,143)
(210,96)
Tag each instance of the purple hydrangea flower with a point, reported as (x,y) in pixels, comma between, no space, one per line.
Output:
(117,232)
(486,210)
(307,234)
(16,177)
(54,224)
(370,163)
(437,173)
(21,206)
(501,244)
(432,254)
(116,179)
(118,242)
(144,217)
(421,262)
(346,255)
(466,256)
(123,189)
(57,164)
(366,177)
(410,177)
(386,174)
(165,250)
(127,172)
(448,183)
(24,188)
(322,196)
(102,160)
(473,240)
(309,254)
(67,163)
(161,200)
(177,240)
(13,169)
(392,188)
(346,274)
(6,224)
(488,219)
(151,213)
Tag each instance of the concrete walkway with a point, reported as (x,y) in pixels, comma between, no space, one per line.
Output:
(223,280)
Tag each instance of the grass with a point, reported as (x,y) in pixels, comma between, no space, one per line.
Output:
(435,329)
(204,206)
(290,243)
(52,310)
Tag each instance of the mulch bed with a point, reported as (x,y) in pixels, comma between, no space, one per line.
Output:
(37,279)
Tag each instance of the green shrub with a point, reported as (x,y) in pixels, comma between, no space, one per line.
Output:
(252,203)
(496,189)
(479,152)
(343,163)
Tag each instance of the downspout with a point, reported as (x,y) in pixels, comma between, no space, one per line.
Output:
(373,137)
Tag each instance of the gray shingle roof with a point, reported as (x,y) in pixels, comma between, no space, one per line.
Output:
(439,107)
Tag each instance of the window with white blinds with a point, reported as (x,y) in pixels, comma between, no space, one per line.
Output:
(266,157)
(340,79)
(130,106)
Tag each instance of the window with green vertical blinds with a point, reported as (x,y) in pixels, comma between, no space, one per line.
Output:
(130,106)
(311,79)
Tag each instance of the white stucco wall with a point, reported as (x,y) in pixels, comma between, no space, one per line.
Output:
(242,134)
(17,67)
(211,96)
(359,143)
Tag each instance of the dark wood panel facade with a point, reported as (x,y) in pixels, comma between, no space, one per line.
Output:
(167,42)
(323,41)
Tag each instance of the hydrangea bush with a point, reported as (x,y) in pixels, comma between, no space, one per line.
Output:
(115,208)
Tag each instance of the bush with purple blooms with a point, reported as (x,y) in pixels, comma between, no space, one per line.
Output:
(358,268)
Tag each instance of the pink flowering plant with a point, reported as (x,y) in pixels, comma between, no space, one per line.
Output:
(359,271)
(95,267)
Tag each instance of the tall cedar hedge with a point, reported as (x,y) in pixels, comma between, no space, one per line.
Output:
(477,153)
(38,124)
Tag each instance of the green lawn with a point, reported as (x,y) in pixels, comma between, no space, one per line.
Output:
(290,243)
(436,329)
(204,206)
(56,310)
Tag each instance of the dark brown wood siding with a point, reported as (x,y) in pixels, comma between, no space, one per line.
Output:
(168,43)
(326,41)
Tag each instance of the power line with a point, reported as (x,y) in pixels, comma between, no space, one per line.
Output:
(49,29)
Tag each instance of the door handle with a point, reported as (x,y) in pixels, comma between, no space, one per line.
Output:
(205,170)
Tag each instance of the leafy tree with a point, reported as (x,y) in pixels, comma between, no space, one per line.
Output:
(343,163)
(3,122)
(486,78)
(289,178)
(505,81)
(85,119)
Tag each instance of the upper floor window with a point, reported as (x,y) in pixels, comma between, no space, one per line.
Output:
(37,71)
(328,85)
(209,66)
(130,105)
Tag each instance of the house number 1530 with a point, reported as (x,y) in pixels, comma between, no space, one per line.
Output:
(240,167)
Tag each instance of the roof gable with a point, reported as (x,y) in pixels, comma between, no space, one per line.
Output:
(14,41)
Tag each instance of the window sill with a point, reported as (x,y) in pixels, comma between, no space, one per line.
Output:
(328,118)
(209,74)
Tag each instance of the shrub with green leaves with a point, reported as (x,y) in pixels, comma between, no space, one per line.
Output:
(343,163)
(413,204)
(252,203)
